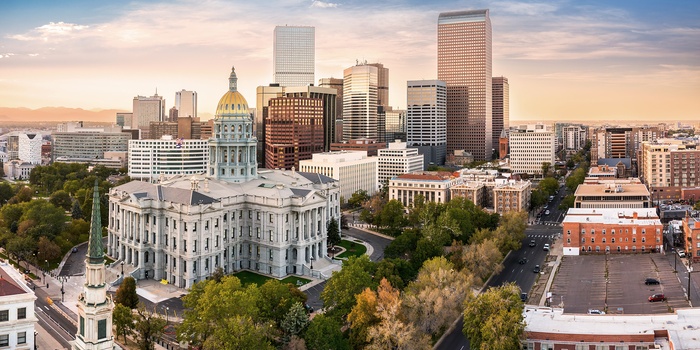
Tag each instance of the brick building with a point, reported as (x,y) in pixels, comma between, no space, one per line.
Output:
(691,233)
(370,146)
(293,131)
(611,230)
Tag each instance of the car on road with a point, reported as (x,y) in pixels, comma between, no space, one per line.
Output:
(657,297)
(649,281)
(532,243)
(546,212)
(523,297)
(536,269)
(546,247)
(681,253)
(522,261)
(595,312)
(551,198)
(309,308)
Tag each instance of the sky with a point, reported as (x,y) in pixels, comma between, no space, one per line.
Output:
(636,60)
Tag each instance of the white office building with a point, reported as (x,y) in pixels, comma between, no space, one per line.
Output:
(530,146)
(397,160)
(294,55)
(78,144)
(426,119)
(353,170)
(182,229)
(574,137)
(146,110)
(17,318)
(186,103)
(30,148)
(150,159)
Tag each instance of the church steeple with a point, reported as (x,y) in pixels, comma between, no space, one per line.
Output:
(233,80)
(95,253)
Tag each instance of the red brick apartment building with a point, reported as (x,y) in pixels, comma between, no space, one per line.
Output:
(551,329)
(611,230)
(691,231)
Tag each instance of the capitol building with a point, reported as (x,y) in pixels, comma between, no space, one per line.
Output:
(234,216)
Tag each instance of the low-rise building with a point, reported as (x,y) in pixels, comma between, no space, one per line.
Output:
(17,318)
(602,172)
(18,170)
(370,146)
(512,196)
(149,159)
(616,193)
(611,230)
(475,191)
(691,233)
(396,160)
(434,186)
(353,170)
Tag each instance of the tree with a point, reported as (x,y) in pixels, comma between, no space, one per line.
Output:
(357,198)
(295,321)
(11,214)
(482,259)
(391,217)
(333,233)
(494,319)
(362,317)
(549,186)
(237,332)
(61,199)
(218,274)
(6,192)
(391,332)
(123,319)
(434,300)
(339,294)
(511,232)
(148,327)
(546,166)
(276,299)
(76,212)
(570,163)
(48,250)
(25,194)
(567,202)
(50,220)
(404,245)
(126,293)
(324,333)
(397,271)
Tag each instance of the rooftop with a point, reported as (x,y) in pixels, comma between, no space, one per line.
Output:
(8,282)
(613,188)
(645,216)
(428,176)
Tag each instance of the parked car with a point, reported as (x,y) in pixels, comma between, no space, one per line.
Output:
(536,269)
(657,297)
(532,243)
(681,253)
(595,312)
(546,212)
(649,281)
(522,261)
(523,297)
(309,308)
(546,247)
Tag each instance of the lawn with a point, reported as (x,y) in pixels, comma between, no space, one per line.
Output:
(352,249)
(296,281)
(248,277)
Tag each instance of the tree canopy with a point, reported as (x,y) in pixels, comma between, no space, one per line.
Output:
(494,319)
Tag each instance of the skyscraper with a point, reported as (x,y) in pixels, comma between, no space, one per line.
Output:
(337,84)
(294,54)
(360,102)
(464,64)
(426,120)
(293,131)
(501,108)
(186,104)
(147,110)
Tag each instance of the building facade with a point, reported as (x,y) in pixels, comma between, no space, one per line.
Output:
(182,229)
(512,196)
(396,160)
(530,146)
(500,108)
(150,159)
(146,110)
(360,102)
(354,171)
(294,53)
(337,84)
(574,138)
(125,120)
(186,104)
(619,230)
(370,146)
(89,143)
(668,165)
(434,186)
(395,127)
(426,119)
(691,233)
(464,64)
(615,193)
(30,147)
(294,131)
(16,311)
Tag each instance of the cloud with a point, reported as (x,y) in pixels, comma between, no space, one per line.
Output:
(323,4)
(53,30)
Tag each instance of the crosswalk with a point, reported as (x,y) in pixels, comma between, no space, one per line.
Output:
(539,236)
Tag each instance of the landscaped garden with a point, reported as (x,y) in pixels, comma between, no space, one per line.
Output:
(352,248)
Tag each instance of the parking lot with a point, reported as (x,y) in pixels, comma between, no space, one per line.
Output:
(615,284)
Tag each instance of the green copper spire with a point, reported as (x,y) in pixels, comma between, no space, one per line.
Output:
(95,251)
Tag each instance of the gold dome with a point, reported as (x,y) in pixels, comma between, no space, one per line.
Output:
(232,103)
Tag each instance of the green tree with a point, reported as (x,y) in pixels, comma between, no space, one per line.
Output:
(61,199)
(237,332)
(148,327)
(546,167)
(404,245)
(76,212)
(391,217)
(126,293)
(48,250)
(494,319)
(397,271)
(567,202)
(357,198)
(218,274)
(324,333)
(6,192)
(21,246)
(333,233)
(511,231)
(123,320)
(50,220)
(276,299)
(549,186)
(295,321)
(339,294)
(25,194)
(570,163)
(11,214)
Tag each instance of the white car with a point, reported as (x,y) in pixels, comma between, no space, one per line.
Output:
(546,247)
(595,312)
(681,253)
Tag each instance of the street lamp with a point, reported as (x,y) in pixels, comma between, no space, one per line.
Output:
(167,309)
(690,270)
(122,270)
(312,263)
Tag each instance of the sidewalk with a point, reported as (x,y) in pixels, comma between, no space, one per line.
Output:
(538,293)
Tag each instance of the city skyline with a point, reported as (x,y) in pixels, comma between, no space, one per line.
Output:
(565,60)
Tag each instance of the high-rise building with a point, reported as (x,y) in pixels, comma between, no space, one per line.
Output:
(464,64)
(336,84)
(574,138)
(426,119)
(78,144)
(394,125)
(668,165)
(360,102)
(500,116)
(263,95)
(125,120)
(186,103)
(293,131)
(172,115)
(147,110)
(30,148)
(397,159)
(382,85)
(530,147)
(294,55)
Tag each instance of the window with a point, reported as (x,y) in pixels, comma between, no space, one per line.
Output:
(4,315)
(21,313)
(22,338)
(634,239)
(603,240)
(603,231)
(101,329)
(4,340)
(592,240)
(82,326)
(568,232)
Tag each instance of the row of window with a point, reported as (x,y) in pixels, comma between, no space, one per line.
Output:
(21,314)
